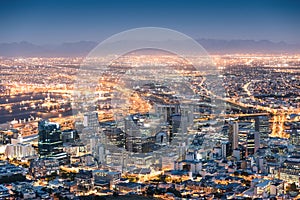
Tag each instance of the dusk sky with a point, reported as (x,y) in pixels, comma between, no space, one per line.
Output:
(58,21)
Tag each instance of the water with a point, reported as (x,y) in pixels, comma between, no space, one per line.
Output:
(30,106)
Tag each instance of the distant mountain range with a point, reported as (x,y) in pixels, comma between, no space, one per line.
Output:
(27,49)
(82,48)
(248,46)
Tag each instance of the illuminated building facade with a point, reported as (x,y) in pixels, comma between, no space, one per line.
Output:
(50,143)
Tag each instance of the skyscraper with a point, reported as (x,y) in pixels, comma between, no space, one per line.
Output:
(133,137)
(262,125)
(225,149)
(250,148)
(91,120)
(256,141)
(50,142)
(233,135)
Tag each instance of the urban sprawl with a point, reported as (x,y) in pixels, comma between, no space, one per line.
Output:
(150,126)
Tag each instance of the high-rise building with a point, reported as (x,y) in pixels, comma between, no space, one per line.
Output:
(140,136)
(262,125)
(133,137)
(167,110)
(256,141)
(250,144)
(50,143)
(69,136)
(225,149)
(233,135)
(114,135)
(91,120)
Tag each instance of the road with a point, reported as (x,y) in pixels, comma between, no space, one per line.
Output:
(279,116)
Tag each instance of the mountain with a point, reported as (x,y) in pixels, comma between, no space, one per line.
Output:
(26,49)
(248,46)
(82,48)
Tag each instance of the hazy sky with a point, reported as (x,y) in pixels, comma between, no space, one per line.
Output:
(57,21)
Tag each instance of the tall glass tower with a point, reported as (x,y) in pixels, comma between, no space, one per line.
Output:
(50,141)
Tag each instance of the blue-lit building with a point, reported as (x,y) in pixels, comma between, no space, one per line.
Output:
(50,143)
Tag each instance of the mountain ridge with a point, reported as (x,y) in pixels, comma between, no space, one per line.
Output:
(82,48)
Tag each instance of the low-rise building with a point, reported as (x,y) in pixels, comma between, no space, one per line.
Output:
(85,181)
(44,167)
(19,151)
(4,192)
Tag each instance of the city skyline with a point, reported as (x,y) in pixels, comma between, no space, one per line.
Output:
(132,100)
(152,138)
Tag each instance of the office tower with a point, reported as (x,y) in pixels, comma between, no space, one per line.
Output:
(256,141)
(250,144)
(233,135)
(114,135)
(138,137)
(91,120)
(175,123)
(261,163)
(100,154)
(50,142)
(243,136)
(225,149)
(167,110)
(69,136)
(262,125)
(187,111)
(133,137)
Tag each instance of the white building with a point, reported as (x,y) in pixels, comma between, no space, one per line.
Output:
(91,120)
(19,151)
